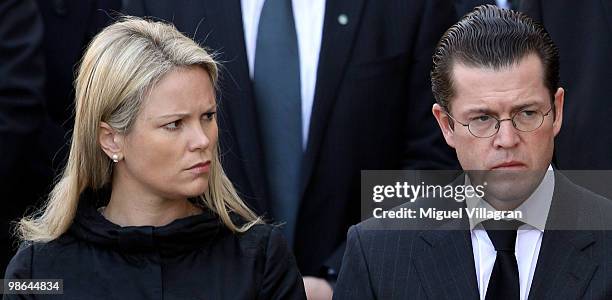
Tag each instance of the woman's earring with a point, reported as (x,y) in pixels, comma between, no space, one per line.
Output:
(115,158)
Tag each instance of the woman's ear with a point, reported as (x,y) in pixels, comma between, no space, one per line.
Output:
(111,141)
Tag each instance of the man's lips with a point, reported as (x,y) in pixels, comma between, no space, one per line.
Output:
(509,165)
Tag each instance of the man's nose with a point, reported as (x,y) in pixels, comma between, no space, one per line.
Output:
(507,136)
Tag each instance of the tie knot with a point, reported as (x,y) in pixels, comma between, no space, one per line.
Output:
(502,233)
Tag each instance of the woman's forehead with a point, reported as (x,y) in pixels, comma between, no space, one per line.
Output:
(182,91)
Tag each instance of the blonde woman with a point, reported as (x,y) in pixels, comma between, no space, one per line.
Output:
(143,209)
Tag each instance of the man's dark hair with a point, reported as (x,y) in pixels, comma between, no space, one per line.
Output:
(495,38)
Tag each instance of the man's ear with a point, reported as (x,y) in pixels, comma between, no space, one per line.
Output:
(110,140)
(559,99)
(444,124)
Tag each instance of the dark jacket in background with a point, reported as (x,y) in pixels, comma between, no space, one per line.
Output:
(465,6)
(69,26)
(21,110)
(191,258)
(583,32)
(371,110)
(41,43)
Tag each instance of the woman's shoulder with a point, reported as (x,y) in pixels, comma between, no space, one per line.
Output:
(262,238)
(20,266)
(256,236)
(281,277)
(29,252)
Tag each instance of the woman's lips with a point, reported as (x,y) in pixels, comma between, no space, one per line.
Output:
(200,168)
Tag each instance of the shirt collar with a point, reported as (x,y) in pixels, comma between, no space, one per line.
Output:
(535,209)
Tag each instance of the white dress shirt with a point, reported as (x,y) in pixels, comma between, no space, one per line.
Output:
(528,239)
(503,4)
(308,16)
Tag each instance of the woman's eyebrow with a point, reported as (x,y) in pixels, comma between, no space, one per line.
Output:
(168,116)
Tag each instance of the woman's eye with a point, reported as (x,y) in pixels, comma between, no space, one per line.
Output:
(209,116)
(173,126)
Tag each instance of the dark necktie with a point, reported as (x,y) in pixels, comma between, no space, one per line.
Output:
(504,282)
(276,84)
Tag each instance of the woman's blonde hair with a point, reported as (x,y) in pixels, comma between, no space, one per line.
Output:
(122,63)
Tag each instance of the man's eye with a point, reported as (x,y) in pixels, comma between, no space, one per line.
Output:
(528,113)
(209,116)
(483,118)
(173,126)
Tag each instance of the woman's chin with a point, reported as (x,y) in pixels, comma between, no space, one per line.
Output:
(194,189)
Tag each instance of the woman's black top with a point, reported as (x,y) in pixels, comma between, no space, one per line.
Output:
(195,257)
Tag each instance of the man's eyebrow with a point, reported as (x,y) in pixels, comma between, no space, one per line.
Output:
(484,110)
(524,105)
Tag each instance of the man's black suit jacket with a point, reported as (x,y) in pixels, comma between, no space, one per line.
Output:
(372,106)
(439,264)
(583,32)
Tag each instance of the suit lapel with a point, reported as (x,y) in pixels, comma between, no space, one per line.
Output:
(445,264)
(565,265)
(337,42)
(566,261)
(225,19)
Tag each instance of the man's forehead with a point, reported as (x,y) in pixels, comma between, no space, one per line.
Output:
(530,64)
(516,85)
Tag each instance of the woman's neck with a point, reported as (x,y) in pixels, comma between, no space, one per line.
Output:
(129,206)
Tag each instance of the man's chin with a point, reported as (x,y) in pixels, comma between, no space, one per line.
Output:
(510,184)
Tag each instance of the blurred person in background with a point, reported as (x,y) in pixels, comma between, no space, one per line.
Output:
(143,199)
(314,92)
(583,32)
(22,111)
(41,42)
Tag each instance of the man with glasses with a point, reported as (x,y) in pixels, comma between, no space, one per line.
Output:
(499,105)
